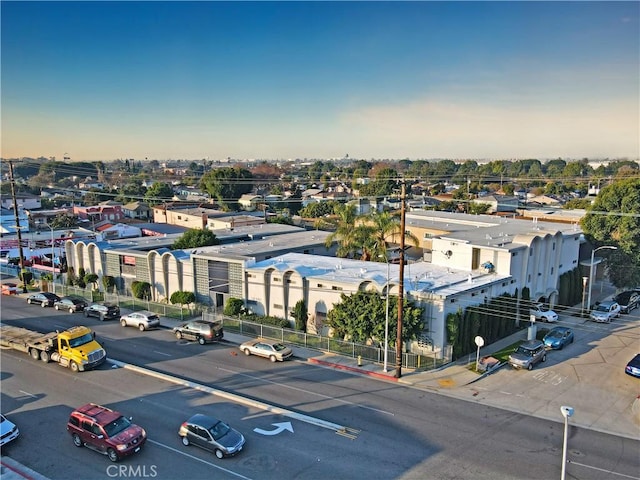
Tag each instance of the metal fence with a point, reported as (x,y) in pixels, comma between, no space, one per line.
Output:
(163,309)
(326,344)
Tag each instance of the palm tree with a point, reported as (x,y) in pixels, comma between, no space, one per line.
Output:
(350,235)
(385,226)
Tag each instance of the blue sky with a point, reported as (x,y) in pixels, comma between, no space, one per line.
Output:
(278,80)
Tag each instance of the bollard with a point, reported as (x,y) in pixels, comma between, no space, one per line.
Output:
(359,360)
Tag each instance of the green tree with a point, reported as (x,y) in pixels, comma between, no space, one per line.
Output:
(300,315)
(614,220)
(227,184)
(384,227)
(318,209)
(195,238)
(109,283)
(159,192)
(91,278)
(350,237)
(362,316)
(63,221)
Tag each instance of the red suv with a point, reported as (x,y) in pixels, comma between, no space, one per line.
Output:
(105,431)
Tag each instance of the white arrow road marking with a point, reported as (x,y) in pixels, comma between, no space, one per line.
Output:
(280,427)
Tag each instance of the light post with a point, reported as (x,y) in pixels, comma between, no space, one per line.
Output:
(386,321)
(53,256)
(584,290)
(593,252)
(566,413)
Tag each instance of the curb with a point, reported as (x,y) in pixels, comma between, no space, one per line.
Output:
(360,371)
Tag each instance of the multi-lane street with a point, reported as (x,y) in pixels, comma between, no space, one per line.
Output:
(393,432)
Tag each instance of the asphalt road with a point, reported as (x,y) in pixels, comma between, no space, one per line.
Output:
(398,432)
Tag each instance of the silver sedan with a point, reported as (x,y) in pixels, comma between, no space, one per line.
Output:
(270,349)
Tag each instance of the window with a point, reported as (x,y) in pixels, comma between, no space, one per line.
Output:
(335,287)
(278,306)
(320,285)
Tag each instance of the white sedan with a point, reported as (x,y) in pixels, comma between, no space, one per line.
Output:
(270,349)
(142,320)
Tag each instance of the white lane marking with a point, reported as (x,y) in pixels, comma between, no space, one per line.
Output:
(328,397)
(280,427)
(236,474)
(29,394)
(603,470)
(162,353)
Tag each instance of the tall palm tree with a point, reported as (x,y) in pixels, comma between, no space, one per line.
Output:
(385,226)
(350,233)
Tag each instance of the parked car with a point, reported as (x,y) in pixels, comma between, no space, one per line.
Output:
(143,320)
(558,337)
(633,367)
(211,434)
(8,431)
(44,299)
(604,312)
(105,431)
(542,313)
(528,354)
(9,289)
(271,349)
(628,300)
(200,331)
(104,311)
(73,304)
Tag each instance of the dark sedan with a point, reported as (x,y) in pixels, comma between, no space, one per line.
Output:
(72,304)
(633,367)
(628,300)
(44,299)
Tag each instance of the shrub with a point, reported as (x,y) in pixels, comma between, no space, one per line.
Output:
(141,290)
(234,307)
(182,297)
(109,282)
(91,278)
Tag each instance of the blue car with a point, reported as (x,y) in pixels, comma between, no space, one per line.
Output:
(558,337)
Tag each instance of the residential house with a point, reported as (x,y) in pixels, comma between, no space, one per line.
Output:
(137,210)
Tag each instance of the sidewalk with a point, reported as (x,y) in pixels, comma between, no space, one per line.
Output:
(12,470)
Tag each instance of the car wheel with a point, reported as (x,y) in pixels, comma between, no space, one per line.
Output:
(272,358)
(185,441)
(561,346)
(247,352)
(102,317)
(544,358)
(57,307)
(530,366)
(219,453)
(74,367)
(45,357)
(179,337)
(123,323)
(77,441)
(71,310)
(29,301)
(201,340)
(35,354)
(86,314)
(43,304)
(571,340)
(141,327)
(113,456)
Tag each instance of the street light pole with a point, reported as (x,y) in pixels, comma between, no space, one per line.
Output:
(386,325)
(566,413)
(593,252)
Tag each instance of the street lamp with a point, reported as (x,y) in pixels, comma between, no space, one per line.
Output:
(386,321)
(593,252)
(566,413)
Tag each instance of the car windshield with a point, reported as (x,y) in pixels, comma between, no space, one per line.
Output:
(278,347)
(602,308)
(116,426)
(219,430)
(76,342)
(524,351)
(542,308)
(554,334)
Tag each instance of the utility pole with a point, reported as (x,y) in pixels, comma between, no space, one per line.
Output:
(398,372)
(17,216)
